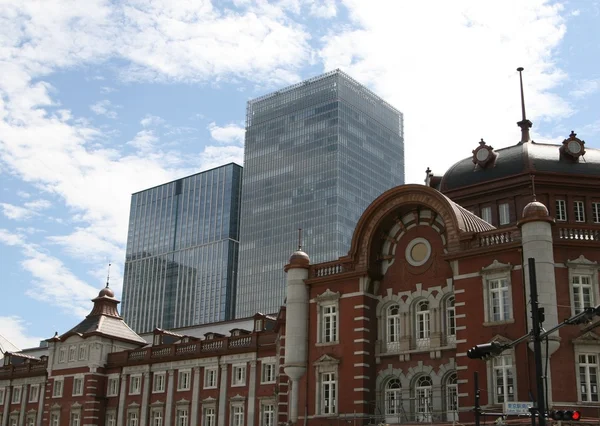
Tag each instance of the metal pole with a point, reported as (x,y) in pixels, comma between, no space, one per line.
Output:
(477,408)
(537,347)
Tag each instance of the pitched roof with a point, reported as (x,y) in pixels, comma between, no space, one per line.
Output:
(6,346)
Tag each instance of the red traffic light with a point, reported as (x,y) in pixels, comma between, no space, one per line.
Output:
(576,415)
(565,415)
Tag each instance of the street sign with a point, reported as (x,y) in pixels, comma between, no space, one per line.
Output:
(517,408)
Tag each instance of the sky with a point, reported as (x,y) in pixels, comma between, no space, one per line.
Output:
(100,99)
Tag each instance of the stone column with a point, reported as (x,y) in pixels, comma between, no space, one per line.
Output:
(24,397)
(222,396)
(145,396)
(251,393)
(41,395)
(195,396)
(169,403)
(121,413)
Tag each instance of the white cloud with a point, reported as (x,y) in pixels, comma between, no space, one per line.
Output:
(38,204)
(105,108)
(144,140)
(151,120)
(107,89)
(323,8)
(585,87)
(213,156)
(453,78)
(16,212)
(14,329)
(230,133)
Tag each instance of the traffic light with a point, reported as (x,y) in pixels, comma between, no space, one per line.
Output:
(485,350)
(585,316)
(565,415)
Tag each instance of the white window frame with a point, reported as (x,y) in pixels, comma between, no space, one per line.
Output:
(184,378)
(267,374)
(393,397)
(112,381)
(17,393)
(80,381)
(393,327)
(561,210)
(328,308)
(267,413)
(326,368)
(579,211)
(158,382)
(451,397)
(238,375)
(33,396)
(503,364)
(486,214)
(62,355)
(30,419)
(582,267)
(209,416)
(503,214)
(450,319)
(596,212)
(135,384)
(156,417)
(211,377)
(133,417)
(111,418)
(55,418)
(82,352)
(423,394)
(182,415)
(237,414)
(422,324)
(490,274)
(57,388)
(75,418)
(72,353)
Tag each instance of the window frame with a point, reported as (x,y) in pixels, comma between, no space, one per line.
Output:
(156,413)
(393,327)
(31,394)
(267,372)
(492,374)
(159,377)
(263,413)
(422,322)
(2,395)
(486,213)
(111,418)
(238,379)
(137,380)
(209,413)
(62,355)
(579,211)
(182,415)
(214,374)
(57,390)
(55,418)
(596,211)
(392,394)
(241,413)
(503,214)
(75,417)
(72,356)
(82,352)
(324,366)
(81,381)
(583,267)
(493,272)
(17,395)
(133,417)
(187,373)
(110,381)
(328,299)
(561,210)
(450,319)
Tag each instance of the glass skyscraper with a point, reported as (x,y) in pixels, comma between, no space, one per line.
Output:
(182,251)
(316,155)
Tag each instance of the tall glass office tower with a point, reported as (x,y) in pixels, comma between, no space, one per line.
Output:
(182,251)
(316,155)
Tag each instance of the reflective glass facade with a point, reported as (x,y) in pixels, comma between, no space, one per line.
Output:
(182,251)
(316,155)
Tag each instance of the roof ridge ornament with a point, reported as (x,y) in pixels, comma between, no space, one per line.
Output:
(572,148)
(524,124)
(484,155)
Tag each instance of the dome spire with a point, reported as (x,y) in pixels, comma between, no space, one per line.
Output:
(524,124)
(108,275)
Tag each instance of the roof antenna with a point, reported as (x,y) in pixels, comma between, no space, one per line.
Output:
(524,124)
(533,186)
(299,238)
(108,275)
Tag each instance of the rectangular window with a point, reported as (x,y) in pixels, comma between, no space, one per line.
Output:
(237,415)
(328,393)
(209,417)
(132,418)
(62,355)
(113,386)
(268,372)
(238,375)
(2,392)
(78,386)
(596,212)
(561,210)
(486,214)
(34,393)
(579,211)
(503,214)
(16,395)
(329,323)
(503,378)
(158,382)
(72,353)
(499,300)
(182,417)
(54,419)
(210,378)
(135,383)
(57,389)
(111,418)
(75,419)
(582,292)
(156,418)
(30,420)
(82,352)
(14,420)
(183,380)
(267,415)
(588,377)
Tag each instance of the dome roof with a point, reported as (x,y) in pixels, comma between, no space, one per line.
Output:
(106,291)
(299,259)
(535,210)
(519,159)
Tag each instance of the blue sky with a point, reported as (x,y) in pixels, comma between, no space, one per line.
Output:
(100,99)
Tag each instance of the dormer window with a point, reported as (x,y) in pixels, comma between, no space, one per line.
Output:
(157,339)
(185,340)
(209,336)
(235,333)
(484,155)
(573,147)
(258,325)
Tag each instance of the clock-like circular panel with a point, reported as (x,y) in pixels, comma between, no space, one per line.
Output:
(418,251)
(574,147)
(482,154)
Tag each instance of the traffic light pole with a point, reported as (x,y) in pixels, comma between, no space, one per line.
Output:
(477,407)
(537,344)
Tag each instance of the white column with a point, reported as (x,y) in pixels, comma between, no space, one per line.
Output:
(24,397)
(169,403)
(222,396)
(145,394)
(195,396)
(251,393)
(41,396)
(121,413)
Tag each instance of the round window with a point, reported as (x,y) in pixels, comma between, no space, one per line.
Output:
(418,251)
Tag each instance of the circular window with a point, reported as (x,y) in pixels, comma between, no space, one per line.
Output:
(418,251)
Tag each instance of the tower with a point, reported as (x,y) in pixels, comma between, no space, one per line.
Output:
(316,155)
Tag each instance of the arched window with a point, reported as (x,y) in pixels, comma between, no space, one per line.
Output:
(393,397)
(451,398)
(422,324)
(393,328)
(423,401)
(450,321)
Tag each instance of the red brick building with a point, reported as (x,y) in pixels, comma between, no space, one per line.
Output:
(379,335)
